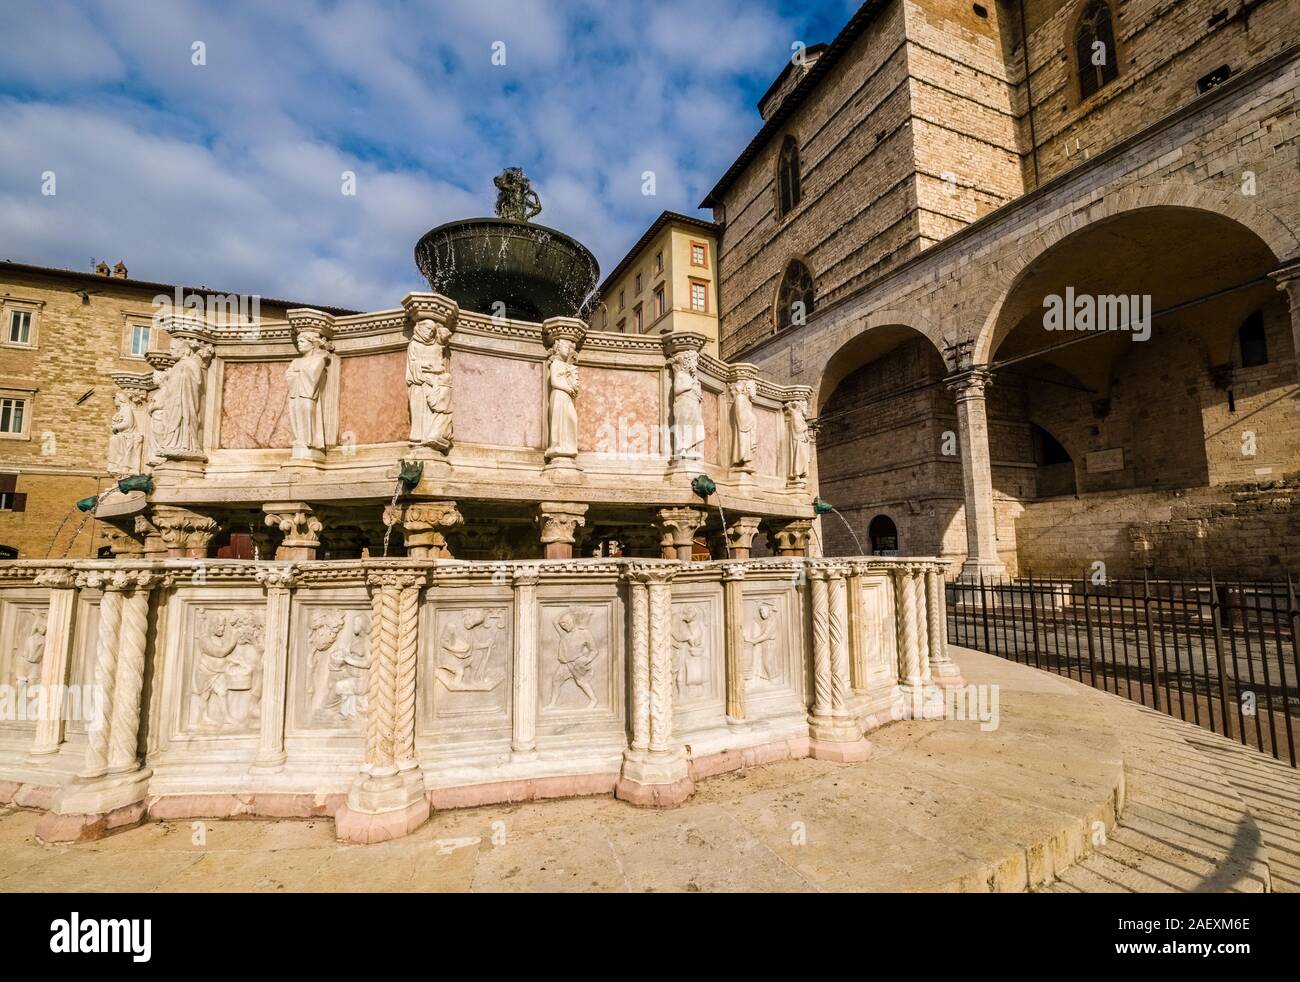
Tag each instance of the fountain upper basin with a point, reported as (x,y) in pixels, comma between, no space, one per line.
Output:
(535,271)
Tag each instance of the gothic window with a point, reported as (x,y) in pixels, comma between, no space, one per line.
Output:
(1094,49)
(788,190)
(795,298)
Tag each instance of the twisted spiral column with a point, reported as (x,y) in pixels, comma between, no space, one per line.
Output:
(128,686)
(905,605)
(640,665)
(406,652)
(922,624)
(661,661)
(822,672)
(110,626)
(839,643)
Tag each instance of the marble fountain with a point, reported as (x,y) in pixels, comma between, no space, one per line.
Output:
(445,555)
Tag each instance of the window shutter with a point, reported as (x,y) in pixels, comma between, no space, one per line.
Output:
(20,501)
(8,482)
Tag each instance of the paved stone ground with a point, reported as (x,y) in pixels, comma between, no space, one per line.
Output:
(940,806)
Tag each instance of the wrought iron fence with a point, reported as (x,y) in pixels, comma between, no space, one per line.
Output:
(1221,654)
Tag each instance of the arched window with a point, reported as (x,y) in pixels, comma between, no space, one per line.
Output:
(1254,346)
(788,190)
(8,552)
(883,534)
(1094,49)
(795,298)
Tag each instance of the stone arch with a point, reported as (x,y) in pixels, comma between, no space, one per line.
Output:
(867,343)
(1271,230)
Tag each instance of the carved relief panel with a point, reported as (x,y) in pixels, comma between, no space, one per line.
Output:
(465,669)
(221,684)
(22,649)
(578,675)
(330,675)
(875,626)
(699,686)
(771,647)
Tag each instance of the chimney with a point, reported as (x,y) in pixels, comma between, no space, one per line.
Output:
(102,269)
(120,270)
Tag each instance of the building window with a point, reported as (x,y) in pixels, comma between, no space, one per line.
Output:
(13,416)
(699,296)
(660,304)
(699,254)
(659,261)
(20,327)
(622,301)
(622,326)
(1254,345)
(1094,49)
(637,322)
(788,189)
(795,298)
(139,344)
(638,284)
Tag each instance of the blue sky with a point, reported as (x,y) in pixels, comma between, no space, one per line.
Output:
(228,174)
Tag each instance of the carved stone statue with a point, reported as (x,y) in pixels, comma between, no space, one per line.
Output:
(179,401)
(744,424)
(516,198)
(306,381)
(563,370)
(575,655)
(428,381)
(126,444)
(796,415)
(688,407)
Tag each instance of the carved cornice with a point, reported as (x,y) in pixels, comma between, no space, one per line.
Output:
(56,579)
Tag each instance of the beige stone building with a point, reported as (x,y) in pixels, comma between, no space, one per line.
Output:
(926,189)
(666,283)
(63,337)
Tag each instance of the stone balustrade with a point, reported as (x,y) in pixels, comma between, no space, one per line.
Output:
(375,690)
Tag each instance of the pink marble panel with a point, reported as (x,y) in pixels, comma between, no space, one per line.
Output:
(255,405)
(372,399)
(767,453)
(618,411)
(712,407)
(496,400)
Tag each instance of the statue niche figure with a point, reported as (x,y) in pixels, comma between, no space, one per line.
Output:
(516,199)
(126,444)
(563,369)
(796,414)
(688,410)
(744,424)
(306,380)
(428,381)
(179,403)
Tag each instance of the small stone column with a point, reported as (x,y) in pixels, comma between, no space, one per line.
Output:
(789,537)
(976,472)
(733,623)
(559,523)
(943,669)
(424,527)
(184,533)
(1288,281)
(523,736)
(737,539)
(655,772)
(909,654)
(677,528)
(917,581)
(62,585)
(108,793)
(279,583)
(388,798)
(834,732)
(300,528)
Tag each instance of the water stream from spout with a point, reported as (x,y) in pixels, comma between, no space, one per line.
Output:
(856,541)
(388,529)
(726,540)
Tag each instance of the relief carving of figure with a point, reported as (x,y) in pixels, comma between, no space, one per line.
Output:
(575,655)
(760,636)
(305,376)
(744,423)
(428,380)
(126,444)
(468,651)
(350,671)
(226,683)
(32,651)
(688,411)
(796,414)
(690,663)
(179,402)
(326,626)
(563,370)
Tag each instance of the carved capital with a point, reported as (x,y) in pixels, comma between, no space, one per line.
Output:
(732,572)
(650,573)
(395,579)
(789,538)
(970,383)
(677,526)
(741,531)
(526,575)
(560,521)
(184,533)
(423,526)
(56,579)
(299,526)
(276,577)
